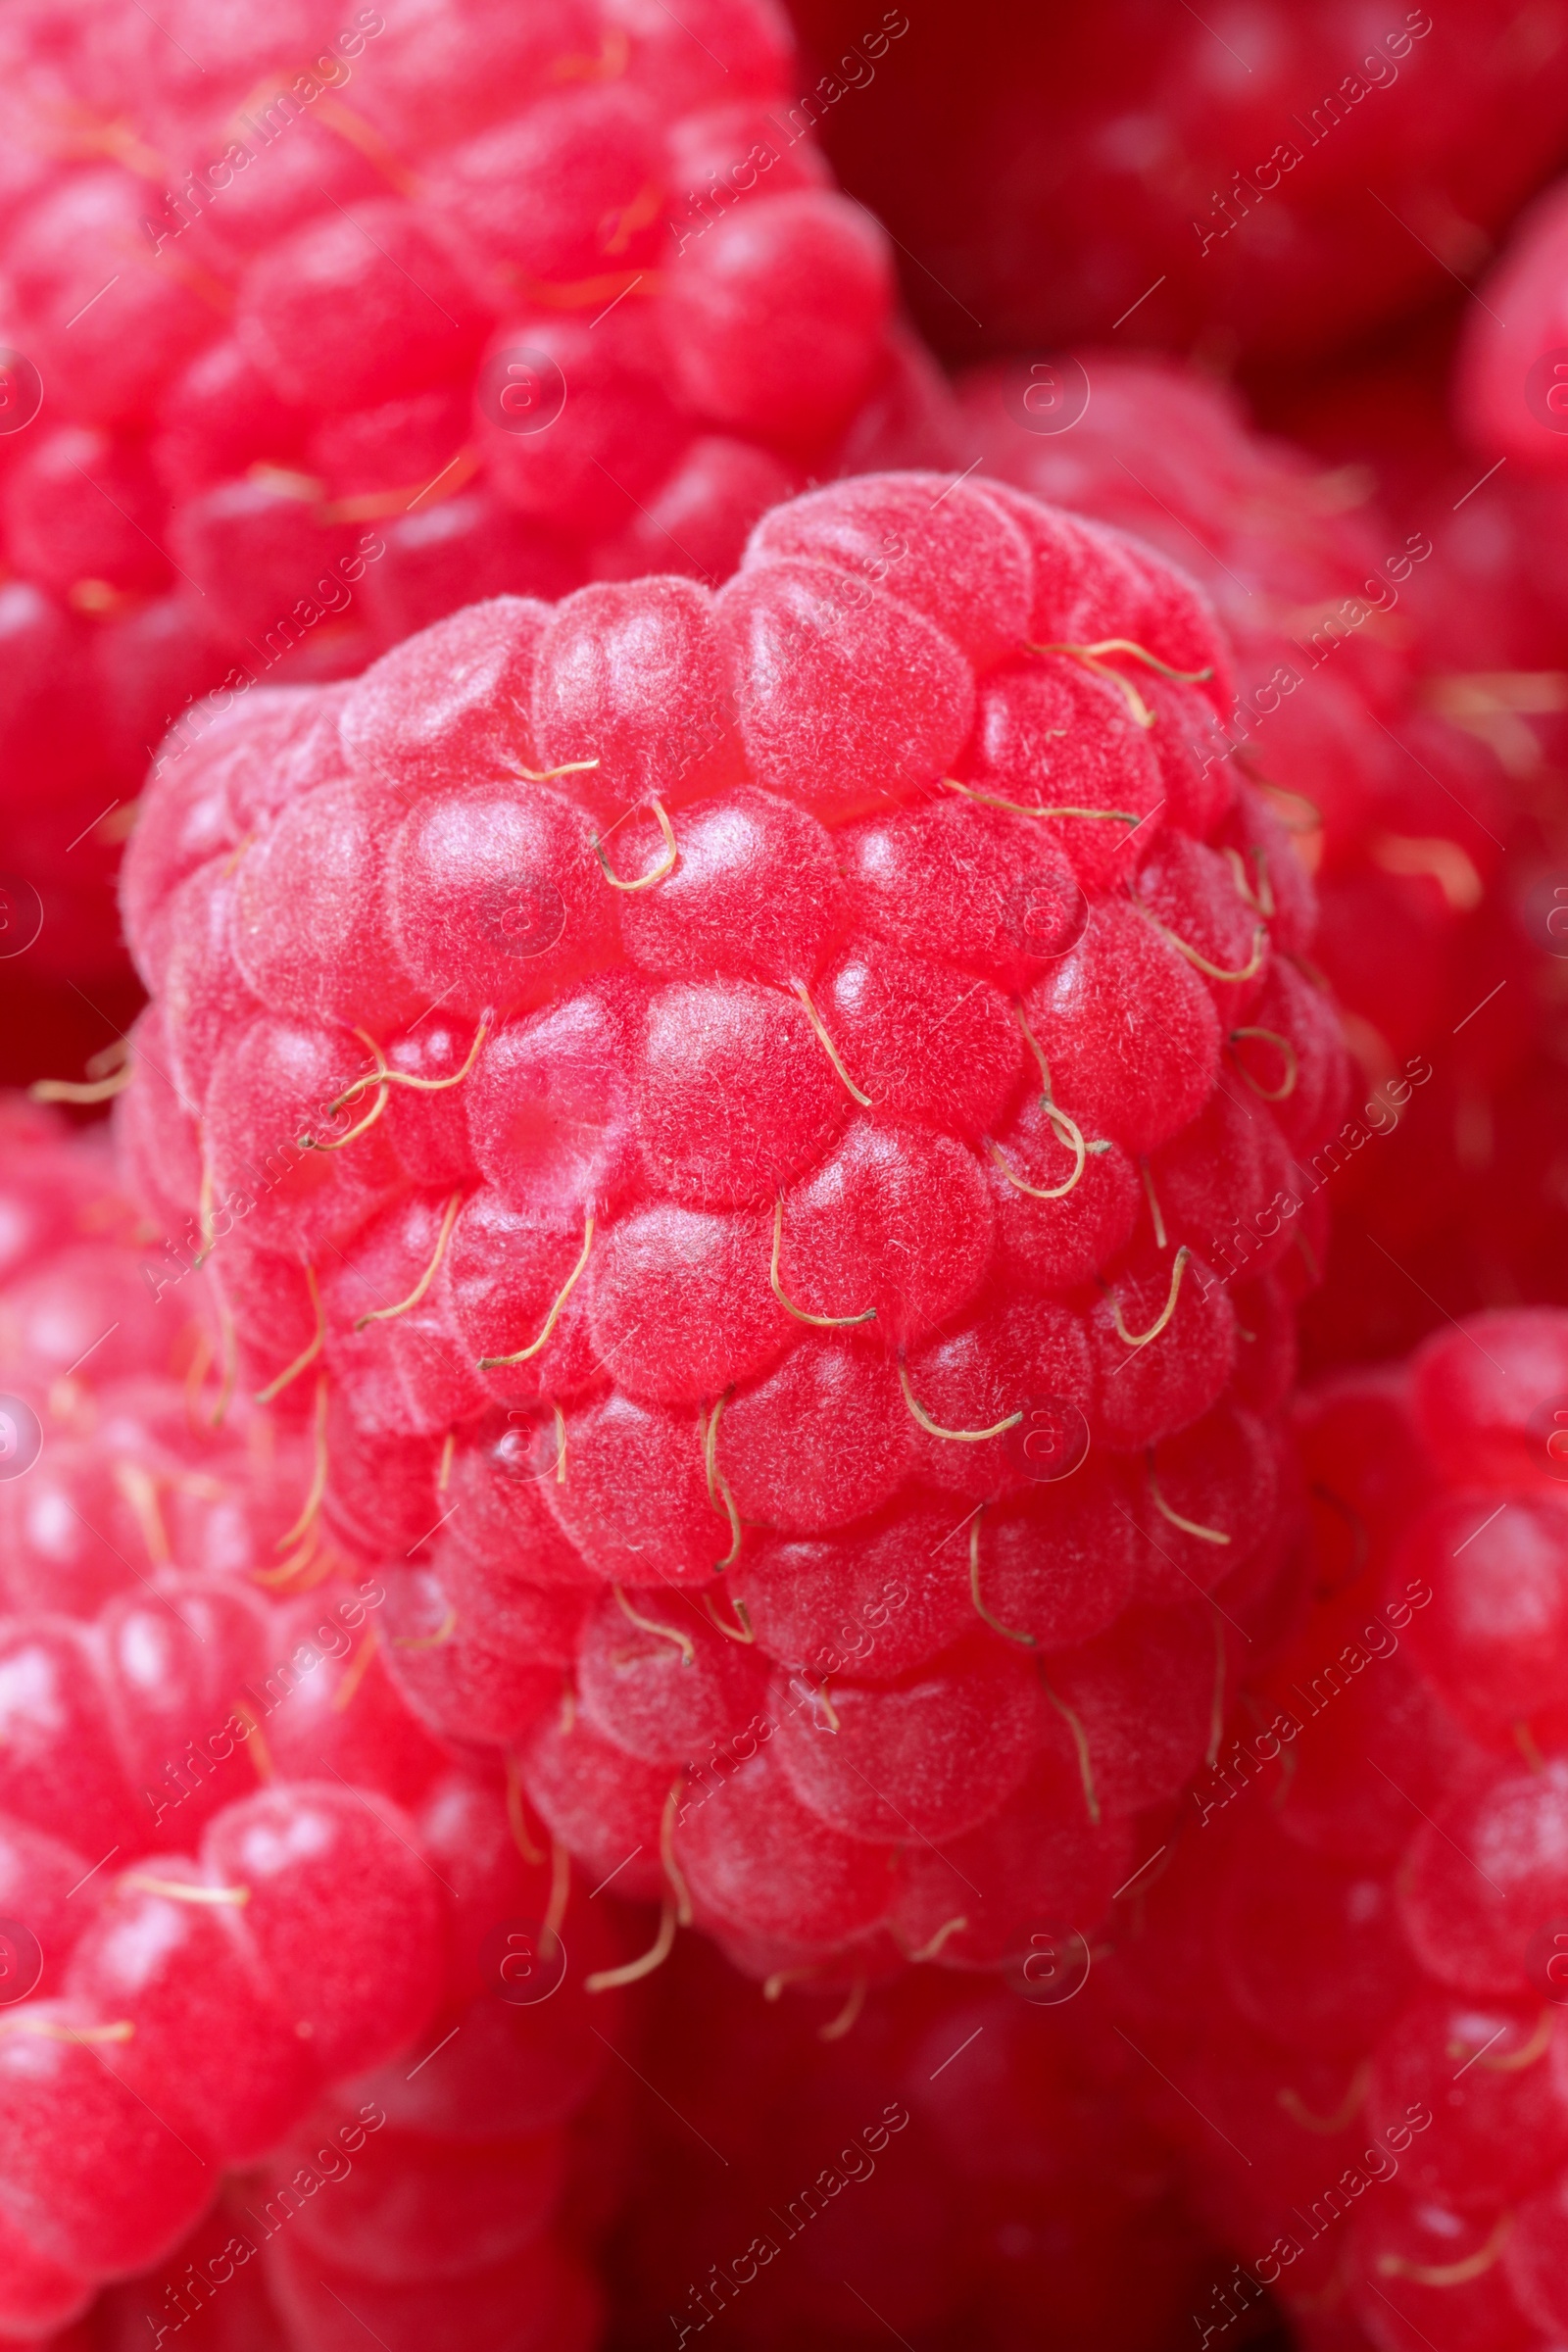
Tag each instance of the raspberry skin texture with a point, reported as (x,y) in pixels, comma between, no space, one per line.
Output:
(797,1137)
(460,308)
(1354,1958)
(1349,621)
(291,1877)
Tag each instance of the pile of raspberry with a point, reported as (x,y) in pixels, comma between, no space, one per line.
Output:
(765,1138)
(320,323)
(952,2162)
(1350,1981)
(1350,718)
(270,1956)
(1273,181)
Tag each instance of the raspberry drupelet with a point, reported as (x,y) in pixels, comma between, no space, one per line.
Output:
(1353,1966)
(764,1135)
(342,319)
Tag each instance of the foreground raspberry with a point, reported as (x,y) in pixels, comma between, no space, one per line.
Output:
(236,1875)
(1354,1968)
(1274,182)
(808,1253)
(347,318)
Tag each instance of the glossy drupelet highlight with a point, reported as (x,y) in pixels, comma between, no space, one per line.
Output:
(765,1135)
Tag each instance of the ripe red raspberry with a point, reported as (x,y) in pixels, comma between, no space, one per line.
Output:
(1401,791)
(1351,1968)
(339,323)
(1466,1198)
(812,1114)
(123,1450)
(460,2199)
(1263,181)
(235,1872)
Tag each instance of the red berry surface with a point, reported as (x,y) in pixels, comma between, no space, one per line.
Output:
(317,329)
(1467,1198)
(1413,786)
(239,1879)
(1349,1975)
(807,1261)
(1509,389)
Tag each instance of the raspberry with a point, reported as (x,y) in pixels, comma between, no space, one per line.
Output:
(1186,185)
(203,1975)
(342,328)
(1465,1197)
(814,1156)
(1369,1937)
(1369,744)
